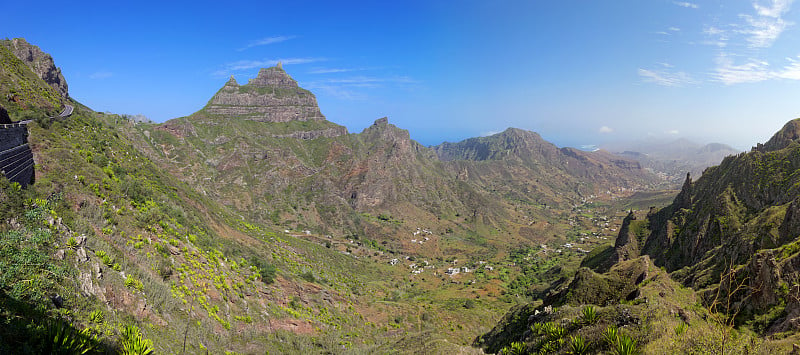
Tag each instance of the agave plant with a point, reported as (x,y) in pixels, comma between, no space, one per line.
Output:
(96,317)
(578,345)
(625,345)
(681,328)
(610,336)
(554,331)
(72,243)
(516,348)
(537,328)
(589,315)
(60,337)
(132,343)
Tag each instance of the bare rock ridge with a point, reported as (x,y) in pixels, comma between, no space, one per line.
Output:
(40,63)
(272,96)
(788,134)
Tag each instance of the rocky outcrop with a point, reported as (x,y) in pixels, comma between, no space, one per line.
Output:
(273,96)
(40,63)
(627,245)
(788,134)
(684,198)
(323,133)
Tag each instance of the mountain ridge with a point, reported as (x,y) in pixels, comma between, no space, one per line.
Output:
(361,172)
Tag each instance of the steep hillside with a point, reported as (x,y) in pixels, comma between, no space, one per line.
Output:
(732,236)
(739,215)
(107,250)
(30,85)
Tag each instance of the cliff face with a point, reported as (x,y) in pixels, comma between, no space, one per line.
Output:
(40,63)
(739,224)
(273,96)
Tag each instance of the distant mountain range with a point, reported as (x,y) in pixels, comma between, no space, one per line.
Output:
(671,160)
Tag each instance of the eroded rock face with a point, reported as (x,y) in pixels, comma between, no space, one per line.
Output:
(323,133)
(273,96)
(40,63)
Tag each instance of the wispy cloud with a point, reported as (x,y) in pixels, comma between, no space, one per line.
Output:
(754,70)
(673,132)
(606,129)
(266,41)
(101,75)
(352,88)
(331,70)
(685,4)
(669,31)
(489,133)
(767,24)
(751,71)
(790,71)
(240,65)
(323,70)
(666,77)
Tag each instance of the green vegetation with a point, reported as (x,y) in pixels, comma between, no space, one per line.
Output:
(132,343)
(208,237)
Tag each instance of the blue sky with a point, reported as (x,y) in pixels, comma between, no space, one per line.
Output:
(577,72)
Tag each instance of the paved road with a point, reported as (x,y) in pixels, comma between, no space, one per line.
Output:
(66,113)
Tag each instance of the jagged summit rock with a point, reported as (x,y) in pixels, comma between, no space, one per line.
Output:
(272,96)
(273,77)
(232,82)
(40,63)
(788,134)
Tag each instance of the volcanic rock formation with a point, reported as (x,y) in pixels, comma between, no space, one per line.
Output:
(273,96)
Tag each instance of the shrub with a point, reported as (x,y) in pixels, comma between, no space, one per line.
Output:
(469,304)
(72,243)
(164,269)
(308,276)
(265,271)
(132,282)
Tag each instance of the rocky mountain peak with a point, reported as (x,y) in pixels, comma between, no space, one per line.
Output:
(232,82)
(273,77)
(788,134)
(272,96)
(40,63)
